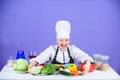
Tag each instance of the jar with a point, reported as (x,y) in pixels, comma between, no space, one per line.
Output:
(97,60)
(105,63)
(10,62)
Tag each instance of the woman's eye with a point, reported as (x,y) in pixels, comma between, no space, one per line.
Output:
(61,40)
(66,40)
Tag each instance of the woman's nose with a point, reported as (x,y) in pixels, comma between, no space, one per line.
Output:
(64,42)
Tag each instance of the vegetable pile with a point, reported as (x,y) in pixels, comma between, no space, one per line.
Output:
(47,69)
(21,65)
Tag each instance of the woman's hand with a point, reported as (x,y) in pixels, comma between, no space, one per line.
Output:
(33,63)
(86,67)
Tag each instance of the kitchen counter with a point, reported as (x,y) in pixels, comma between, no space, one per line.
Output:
(9,74)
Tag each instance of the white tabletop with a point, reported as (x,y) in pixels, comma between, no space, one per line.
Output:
(9,74)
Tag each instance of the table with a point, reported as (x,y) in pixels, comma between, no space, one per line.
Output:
(9,74)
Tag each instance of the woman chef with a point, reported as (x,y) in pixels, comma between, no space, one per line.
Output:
(62,53)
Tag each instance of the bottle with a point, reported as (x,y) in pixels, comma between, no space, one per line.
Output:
(20,54)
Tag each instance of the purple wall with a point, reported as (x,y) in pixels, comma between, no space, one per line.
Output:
(30,25)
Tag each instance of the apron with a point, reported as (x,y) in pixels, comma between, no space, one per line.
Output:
(54,61)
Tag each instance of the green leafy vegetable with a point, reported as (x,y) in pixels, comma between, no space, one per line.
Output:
(48,69)
(21,65)
(35,70)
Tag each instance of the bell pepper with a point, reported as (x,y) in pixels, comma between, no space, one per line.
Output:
(73,69)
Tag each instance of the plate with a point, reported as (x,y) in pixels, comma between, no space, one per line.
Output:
(22,72)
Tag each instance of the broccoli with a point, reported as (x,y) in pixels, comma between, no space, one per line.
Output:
(48,69)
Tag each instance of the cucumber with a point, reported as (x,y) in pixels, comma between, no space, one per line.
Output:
(65,73)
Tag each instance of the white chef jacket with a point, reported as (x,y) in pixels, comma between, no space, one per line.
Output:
(49,53)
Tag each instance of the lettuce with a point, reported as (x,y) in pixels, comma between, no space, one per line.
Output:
(21,65)
(36,70)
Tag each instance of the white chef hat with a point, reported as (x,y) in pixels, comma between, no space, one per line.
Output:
(63,29)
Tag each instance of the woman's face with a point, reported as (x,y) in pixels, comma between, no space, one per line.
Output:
(63,43)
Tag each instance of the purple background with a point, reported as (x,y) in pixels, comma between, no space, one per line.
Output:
(30,25)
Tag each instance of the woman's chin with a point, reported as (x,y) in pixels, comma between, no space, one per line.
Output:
(63,48)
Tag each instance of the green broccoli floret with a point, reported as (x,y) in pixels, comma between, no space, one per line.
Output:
(48,69)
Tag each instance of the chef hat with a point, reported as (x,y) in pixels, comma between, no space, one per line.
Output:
(63,29)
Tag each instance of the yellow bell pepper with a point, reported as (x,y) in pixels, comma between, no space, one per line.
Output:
(72,67)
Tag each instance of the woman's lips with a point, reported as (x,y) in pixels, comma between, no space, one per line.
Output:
(63,46)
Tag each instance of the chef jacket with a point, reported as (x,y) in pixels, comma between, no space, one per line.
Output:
(62,56)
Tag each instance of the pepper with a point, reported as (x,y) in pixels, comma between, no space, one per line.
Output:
(73,69)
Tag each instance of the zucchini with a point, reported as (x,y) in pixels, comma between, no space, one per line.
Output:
(65,73)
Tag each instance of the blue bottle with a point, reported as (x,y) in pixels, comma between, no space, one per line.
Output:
(20,54)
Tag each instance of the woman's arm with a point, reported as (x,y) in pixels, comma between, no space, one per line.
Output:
(82,57)
(79,55)
(86,66)
(41,58)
